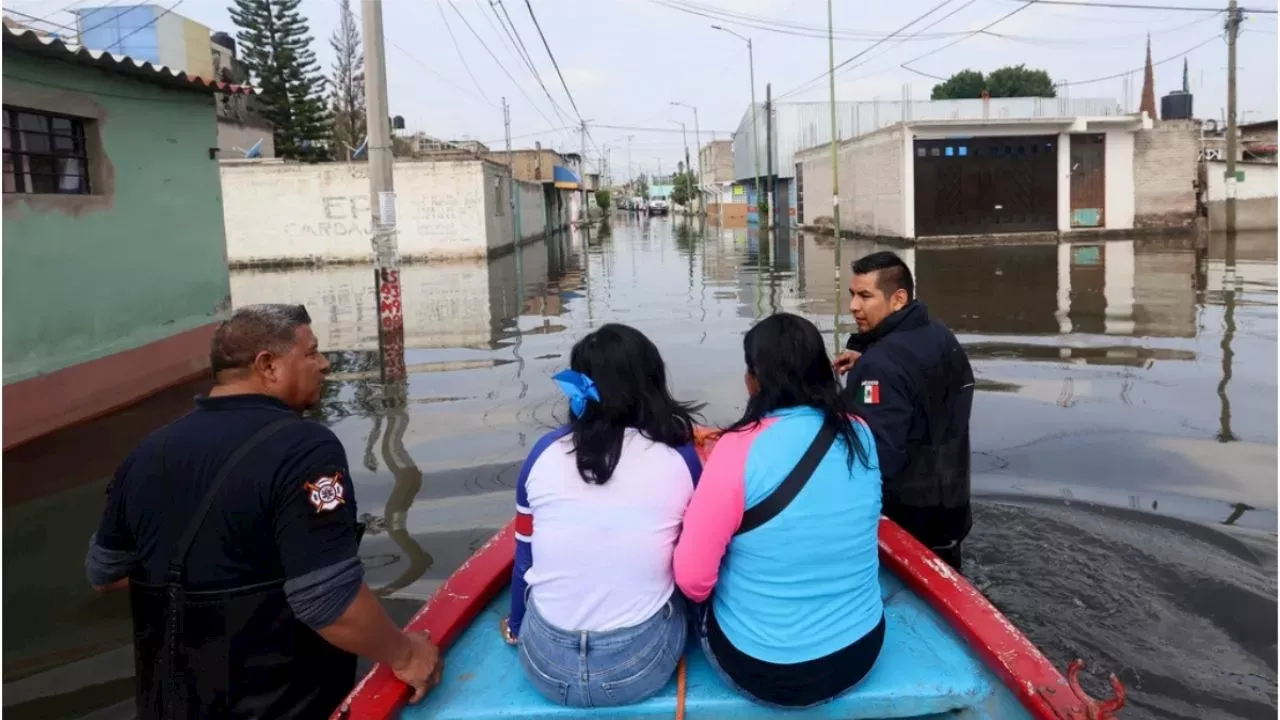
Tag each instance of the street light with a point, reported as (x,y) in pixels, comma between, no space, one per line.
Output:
(755,135)
(685,135)
(697,142)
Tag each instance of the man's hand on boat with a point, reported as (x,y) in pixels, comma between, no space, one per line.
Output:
(845,360)
(420,667)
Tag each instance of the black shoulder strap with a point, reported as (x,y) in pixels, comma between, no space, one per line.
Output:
(778,500)
(178,563)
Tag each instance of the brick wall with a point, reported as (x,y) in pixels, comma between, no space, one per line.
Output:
(1165,162)
(871,184)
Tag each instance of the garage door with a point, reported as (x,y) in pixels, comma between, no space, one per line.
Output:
(986,185)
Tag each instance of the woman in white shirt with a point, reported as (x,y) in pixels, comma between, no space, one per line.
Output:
(594,608)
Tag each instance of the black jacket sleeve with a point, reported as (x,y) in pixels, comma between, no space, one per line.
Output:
(880,393)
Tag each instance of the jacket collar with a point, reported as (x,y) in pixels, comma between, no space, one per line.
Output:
(914,315)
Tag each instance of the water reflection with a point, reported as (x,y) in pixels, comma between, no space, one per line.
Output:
(1109,373)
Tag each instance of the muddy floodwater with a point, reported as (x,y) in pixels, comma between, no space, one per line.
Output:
(1124,434)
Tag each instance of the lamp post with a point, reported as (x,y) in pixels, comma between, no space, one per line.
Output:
(755,135)
(685,137)
(697,143)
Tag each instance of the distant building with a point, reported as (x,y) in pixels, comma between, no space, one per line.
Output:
(115,270)
(155,34)
(716,158)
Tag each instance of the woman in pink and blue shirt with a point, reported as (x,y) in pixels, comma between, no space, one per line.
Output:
(796,617)
(594,608)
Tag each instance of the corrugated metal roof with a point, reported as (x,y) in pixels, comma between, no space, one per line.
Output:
(30,41)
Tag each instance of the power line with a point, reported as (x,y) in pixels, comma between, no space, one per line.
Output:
(513,36)
(506,72)
(11,11)
(554,64)
(1171,58)
(983,29)
(782,27)
(446,80)
(832,71)
(458,50)
(1132,6)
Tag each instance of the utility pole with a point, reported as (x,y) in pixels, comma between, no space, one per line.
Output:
(582,212)
(768,148)
(515,187)
(1233,32)
(382,197)
(631,169)
(697,146)
(835,168)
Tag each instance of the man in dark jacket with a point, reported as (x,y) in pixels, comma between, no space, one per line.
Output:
(911,381)
(234,530)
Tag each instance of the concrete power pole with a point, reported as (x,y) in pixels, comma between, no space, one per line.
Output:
(1233,32)
(382,197)
(835,169)
(768,150)
(514,200)
(582,214)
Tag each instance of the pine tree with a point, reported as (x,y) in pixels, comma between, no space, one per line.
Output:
(349,126)
(276,44)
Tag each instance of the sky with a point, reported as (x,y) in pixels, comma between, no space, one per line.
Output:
(626,61)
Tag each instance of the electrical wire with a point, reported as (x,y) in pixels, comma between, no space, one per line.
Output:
(1132,6)
(518,45)
(458,49)
(1171,58)
(983,29)
(824,75)
(783,27)
(446,80)
(552,55)
(11,11)
(506,72)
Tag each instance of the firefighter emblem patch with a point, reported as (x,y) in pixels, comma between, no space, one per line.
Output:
(326,493)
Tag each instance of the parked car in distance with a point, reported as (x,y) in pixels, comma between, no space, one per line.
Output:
(658,206)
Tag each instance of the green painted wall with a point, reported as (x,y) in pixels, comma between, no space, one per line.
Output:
(147,265)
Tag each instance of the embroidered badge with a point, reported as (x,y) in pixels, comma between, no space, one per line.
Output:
(326,493)
(870,392)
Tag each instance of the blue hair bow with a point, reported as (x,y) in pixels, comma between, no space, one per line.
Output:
(578,388)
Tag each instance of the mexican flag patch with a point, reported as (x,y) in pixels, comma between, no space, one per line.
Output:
(870,392)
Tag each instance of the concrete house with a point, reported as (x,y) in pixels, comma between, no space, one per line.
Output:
(115,270)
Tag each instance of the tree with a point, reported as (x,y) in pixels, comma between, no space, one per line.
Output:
(1018,81)
(1009,81)
(349,126)
(683,189)
(964,84)
(602,199)
(276,45)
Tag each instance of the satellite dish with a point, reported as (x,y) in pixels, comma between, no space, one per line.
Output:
(255,151)
(397,122)
(364,144)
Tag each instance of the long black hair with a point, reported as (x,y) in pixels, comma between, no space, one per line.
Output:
(788,359)
(631,379)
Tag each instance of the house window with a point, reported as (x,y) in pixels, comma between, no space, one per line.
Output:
(44,153)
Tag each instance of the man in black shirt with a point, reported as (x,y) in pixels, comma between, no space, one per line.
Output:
(234,529)
(911,381)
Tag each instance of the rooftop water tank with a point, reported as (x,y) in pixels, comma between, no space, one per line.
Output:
(1175,106)
(223,39)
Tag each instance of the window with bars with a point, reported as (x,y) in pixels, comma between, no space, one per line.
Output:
(44,153)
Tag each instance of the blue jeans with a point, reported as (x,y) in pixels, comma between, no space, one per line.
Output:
(602,669)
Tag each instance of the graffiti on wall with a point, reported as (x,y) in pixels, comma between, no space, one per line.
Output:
(342,215)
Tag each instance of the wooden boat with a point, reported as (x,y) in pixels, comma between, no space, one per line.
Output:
(948,653)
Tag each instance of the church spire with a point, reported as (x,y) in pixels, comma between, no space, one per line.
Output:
(1186,84)
(1148,86)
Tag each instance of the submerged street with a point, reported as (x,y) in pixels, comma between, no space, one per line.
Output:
(1124,436)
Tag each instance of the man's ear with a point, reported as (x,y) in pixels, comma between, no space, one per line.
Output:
(264,364)
(899,299)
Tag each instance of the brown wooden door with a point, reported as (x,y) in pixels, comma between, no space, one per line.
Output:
(1088,180)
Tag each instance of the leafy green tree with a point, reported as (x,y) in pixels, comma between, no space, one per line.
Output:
(276,45)
(602,199)
(1019,81)
(962,85)
(1009,81)
(684,188)
(349,126)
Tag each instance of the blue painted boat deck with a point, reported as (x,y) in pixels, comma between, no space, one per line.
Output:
(924,671)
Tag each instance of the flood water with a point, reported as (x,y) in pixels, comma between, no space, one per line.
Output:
(1124,432)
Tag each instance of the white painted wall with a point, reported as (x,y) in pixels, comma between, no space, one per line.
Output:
(1259,181)
(873,192)
(1118,166)
(278,212)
